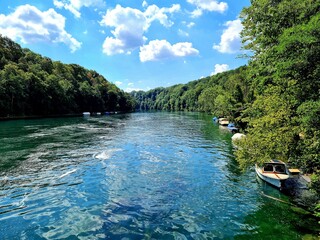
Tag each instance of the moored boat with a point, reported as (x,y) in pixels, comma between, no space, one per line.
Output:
(232,128)
(215,119)
(274,172)
(223,121)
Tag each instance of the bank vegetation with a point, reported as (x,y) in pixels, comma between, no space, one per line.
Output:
(33,85)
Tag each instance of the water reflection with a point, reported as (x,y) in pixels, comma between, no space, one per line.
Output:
(134,176)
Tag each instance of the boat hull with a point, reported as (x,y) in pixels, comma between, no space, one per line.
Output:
(276,180)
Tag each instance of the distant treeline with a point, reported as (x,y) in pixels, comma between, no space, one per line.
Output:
(34,85)
(276,96)
(224,94)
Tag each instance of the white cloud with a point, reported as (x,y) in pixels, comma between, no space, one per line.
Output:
(207,5)
(196,13)
(128,89)
(74,6)
(230,39)
(118,83)
(144,4)
(191,24)
(30,25)
(153,13)
(130,25)
(188,25)
(161,49)
(219,68)
(183,33)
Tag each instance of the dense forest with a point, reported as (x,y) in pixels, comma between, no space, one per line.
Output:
(275,98)
(224,94)
(34,85)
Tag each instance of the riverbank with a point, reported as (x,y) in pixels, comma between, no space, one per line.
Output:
(9,117)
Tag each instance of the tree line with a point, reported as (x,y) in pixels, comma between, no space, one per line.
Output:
(31,84)
(222,94)
(275,98)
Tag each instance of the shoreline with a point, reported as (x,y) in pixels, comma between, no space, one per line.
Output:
(9,118)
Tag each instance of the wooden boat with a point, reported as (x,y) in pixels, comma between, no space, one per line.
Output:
(274,172)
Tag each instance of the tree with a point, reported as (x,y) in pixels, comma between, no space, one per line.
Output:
(12,81)
(283,117)
(34,85)
(271,133)
(265,20)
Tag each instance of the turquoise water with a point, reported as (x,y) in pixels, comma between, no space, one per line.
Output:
(135,176)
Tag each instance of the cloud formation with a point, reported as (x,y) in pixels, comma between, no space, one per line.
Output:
(30,25)
(230,39)
(207,5)
(130,25)
(74,6)
(118,83)
(161,49)
(219,68)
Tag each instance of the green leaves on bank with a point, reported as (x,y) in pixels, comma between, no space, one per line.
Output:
(34,85)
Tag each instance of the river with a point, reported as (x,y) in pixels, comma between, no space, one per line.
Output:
(134,176)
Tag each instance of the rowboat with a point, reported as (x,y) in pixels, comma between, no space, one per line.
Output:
(274,172)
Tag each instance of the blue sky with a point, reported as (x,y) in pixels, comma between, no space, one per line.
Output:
(138,45)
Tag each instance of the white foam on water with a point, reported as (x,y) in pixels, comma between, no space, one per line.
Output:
(106,154)
(68,173)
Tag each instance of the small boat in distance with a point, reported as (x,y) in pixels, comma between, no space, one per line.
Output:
(232,128)
(274,172)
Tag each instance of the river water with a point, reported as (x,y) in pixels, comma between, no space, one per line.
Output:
(134,176)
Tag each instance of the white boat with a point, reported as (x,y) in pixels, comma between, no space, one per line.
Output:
(223,121)
(274,172)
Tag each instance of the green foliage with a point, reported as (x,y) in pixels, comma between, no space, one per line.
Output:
(34,85)
(271,130)
(265,20)
(223,94)
(284,117)
(285,72)
(309,144)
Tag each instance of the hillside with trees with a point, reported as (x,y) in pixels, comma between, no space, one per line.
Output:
(275,98)
(222,94)
(32,85)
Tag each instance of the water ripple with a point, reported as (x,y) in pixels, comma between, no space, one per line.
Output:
(137,176)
